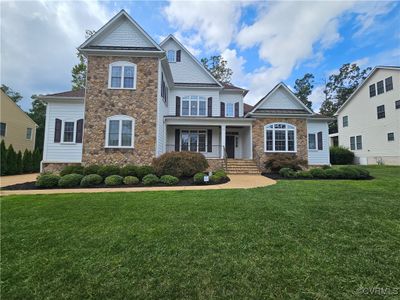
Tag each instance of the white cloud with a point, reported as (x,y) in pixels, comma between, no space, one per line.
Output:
(236,64)
(317,97)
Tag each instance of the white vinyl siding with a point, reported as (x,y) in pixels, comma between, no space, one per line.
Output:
(315,156)
(281,99)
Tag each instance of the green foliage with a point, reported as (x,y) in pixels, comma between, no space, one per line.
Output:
(150,179)
(318,173)
(362,172)
(277,161)
(38,114)
(72,170)
(91,169)
(131,180)
(341,156)
(47,181)
(113,180)
(91,180)
(333,173)
(129,170)
(105,171)
(79,70)
(349,172)
(19,163)
(36,159)
(142,171)
(218,176)
(12,167)
(180,164)
(169,180)
(27,162)
(303,88)
(326,167)
(218,67)
(287,173)
(303,174)
(70,180)
(14,96)
(198,178)
(3,154)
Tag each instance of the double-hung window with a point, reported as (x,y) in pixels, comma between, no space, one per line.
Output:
(229,110)
(372,90)
(389,84)
(28,135)
(280,137)
(193,140)
(359,142)
(345,121)
(2,129)
(68,132)
(397,104)
(194,106)
(352,143)
(171,54)
(312,141)
(380,87)
(380,111)
(122,75)
(120,132)
(390,136)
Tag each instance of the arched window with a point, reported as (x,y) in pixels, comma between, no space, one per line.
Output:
(120,132)
(280,137)
(122,75)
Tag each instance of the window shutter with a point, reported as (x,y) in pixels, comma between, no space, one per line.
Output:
(209,106)
(237,109)
(177,139)
(57,131)
(178,106)
(79,131)
(178,55)
(319,138)
(222,109)
(209,140)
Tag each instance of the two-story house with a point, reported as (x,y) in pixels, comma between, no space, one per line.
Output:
(143,99)
(369,121)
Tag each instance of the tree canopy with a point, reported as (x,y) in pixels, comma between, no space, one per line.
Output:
(15,96)
(218,67)
(303,88)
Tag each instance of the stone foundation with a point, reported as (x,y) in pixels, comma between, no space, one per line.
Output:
(215,164)
(56,167)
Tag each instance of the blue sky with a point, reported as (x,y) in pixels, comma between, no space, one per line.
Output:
(263,42)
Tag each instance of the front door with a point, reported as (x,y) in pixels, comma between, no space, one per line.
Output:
(230,146)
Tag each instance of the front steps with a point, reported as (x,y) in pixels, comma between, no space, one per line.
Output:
(242,166)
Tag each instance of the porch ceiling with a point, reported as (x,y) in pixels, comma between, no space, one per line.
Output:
(207,121)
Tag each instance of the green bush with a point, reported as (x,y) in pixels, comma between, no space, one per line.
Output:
(169,180)
(198,178)
(180,164)
(363,173)
(287,173)
(150,179)
(142,171)
(91,169)
(326,167)
(318,173)
(129,170)
(71,170)
(36,159)
(277,161)
(19,163)
(114,180)
(218,176)
(12,167)
(131,180)
(333,173)
(341,156)
(47,180)
(27,162)
(304,174)
(105,171)
(91,180)
(3,154)
(70,180)
(352,172)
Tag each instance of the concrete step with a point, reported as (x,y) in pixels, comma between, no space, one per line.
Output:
(242,166)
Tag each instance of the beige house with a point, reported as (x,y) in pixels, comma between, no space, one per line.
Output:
(16,128)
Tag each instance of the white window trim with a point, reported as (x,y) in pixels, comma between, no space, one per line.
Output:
(316,141)
(226,109)
(62,132)
(172,61)
(30,139)
(196,130)
(198,106)
(120,118)
(273,138)
(122,64)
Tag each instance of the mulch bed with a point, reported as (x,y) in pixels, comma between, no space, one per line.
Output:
(276,176)
(31,185)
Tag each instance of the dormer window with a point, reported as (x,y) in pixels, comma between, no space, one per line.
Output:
(174,56)
(122,75)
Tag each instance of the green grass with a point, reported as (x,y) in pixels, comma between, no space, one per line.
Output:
(296,239)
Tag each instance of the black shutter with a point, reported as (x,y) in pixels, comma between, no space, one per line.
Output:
(237,109)
(209,108)
(79,131)
(57,131)
(209,140)
(222,109)
(319,138)
(178,55)
(177,139)
(178,106)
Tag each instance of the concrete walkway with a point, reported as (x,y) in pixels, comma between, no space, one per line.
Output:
(237,182)
(15,179)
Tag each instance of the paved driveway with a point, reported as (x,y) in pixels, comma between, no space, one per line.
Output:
(15,179)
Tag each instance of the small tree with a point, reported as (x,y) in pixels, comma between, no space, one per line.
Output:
(37,158)
(3,154)
(12,167)
(19,162)
(303,88)
(27,161)
(218,67)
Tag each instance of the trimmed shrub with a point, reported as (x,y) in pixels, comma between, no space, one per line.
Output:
(12,168)
(363,173)
(218,176)
(277,161)
(47,180)
(333,173)
(106,171)
(27,162)
(287,173)
(326,167)
(71,170)
(169,180)
(198,178)
(304,174)
(36,159)
(352,172)
(341,156)
(113,180)
(19,163)
(91,180)
(91,169)
(180,164)
(150,179)
(131,180)
(129,170)
(318,173)
(70,180)
(142,171)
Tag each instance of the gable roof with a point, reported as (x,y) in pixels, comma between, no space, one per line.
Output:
(110,23)
(231,87)
(191,56)
(374,70)
(67,95)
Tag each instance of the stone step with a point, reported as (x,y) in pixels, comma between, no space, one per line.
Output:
(241,172)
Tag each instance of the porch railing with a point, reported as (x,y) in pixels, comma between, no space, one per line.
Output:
(215,152)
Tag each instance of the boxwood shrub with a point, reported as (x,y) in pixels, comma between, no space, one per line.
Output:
(287,173)
(180,164)
(150,179)
(70,180)
(47,180)
(304,174)
(129,170)
(142,171)
(318,173)
(218,176)
(71,170)
(91,169)
(333,173)
(113,180)
(169,180)
(131,180)
(341,156)
(277,161)
(105,171)
(198,178)
(91,180)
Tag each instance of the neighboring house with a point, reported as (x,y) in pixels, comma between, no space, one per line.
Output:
(369,121)
(16,128)
(143,99)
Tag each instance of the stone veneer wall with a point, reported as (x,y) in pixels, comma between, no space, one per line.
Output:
(101,102)
(56,167)
(258,138)
(215,164)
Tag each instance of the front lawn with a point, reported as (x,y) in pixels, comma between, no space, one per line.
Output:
(296,239)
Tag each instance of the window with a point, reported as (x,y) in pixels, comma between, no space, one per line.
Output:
(345,121)
(380,88)
(380,110)
(193,140)
(164,90)
(120,132)
(312,141)
(68,132)
(352,143)
(122,75)
(29,133)
(3,129)
(359,142)
(171,56)
(229,110)
(389,84)
(390,136)
(280,137)
(372,90)
(397,104)
(194,106)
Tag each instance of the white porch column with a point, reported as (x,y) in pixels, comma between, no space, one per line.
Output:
(223,139)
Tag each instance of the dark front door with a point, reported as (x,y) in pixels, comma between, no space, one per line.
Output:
(230,146)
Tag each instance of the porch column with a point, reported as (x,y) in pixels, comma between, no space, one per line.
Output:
(223,138)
